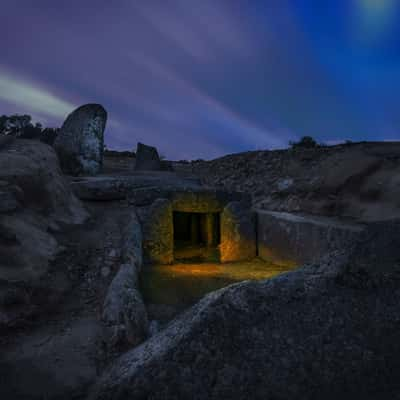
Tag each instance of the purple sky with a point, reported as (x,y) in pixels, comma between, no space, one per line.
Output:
(200,79)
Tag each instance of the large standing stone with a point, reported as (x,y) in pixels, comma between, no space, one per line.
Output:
(81,140)
(147,158)
(238,233)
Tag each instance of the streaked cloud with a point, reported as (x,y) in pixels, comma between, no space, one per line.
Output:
(200,79)
(28,97)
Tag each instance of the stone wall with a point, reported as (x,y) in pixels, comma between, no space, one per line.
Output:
(291,238)
(207,201)
(158,234)
(124,313)
(238,233)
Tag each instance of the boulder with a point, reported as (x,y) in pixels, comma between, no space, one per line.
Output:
(124,313)
(147,158)
(307,334)
(80,142)
(35,199)
(30,174)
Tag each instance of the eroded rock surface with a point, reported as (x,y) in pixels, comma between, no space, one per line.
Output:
(357,181)
(124,312)
(80,141)
(290,238)
(309,334)
(158,235)
(238,233)
(35,202)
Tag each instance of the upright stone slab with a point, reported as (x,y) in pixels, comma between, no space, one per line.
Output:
(147,158)
(238,233)
(80,141)
(158,234)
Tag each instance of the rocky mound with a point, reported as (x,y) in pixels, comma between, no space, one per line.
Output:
(360,181)
(326,331)
(35,203)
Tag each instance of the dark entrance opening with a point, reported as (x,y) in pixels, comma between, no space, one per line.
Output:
(196,236)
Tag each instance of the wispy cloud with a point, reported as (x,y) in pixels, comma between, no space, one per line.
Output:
(202,29)
(195,78)
(31,98)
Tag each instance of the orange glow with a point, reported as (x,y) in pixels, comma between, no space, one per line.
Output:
(186,283)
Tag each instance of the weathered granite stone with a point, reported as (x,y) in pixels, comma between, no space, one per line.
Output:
(307,334)
(238,233)
(80,141)
(291,238)
(35,198)
(158,235)
(139,188)
(205,200)
(124,313)
(147,158)
(358,180)
(132,242)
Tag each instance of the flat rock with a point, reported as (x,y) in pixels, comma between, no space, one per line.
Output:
(141,188)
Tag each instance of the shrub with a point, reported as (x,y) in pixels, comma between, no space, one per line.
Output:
(306,142)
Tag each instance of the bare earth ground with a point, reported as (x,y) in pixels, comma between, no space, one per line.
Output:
(61,350)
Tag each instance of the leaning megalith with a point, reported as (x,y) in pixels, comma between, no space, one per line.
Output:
(80,141)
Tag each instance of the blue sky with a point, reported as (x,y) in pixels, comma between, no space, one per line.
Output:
(202,79)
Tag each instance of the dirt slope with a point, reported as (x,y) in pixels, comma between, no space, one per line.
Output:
(359,181)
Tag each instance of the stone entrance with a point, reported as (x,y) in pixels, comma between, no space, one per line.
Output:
(196,236)
(199,224)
